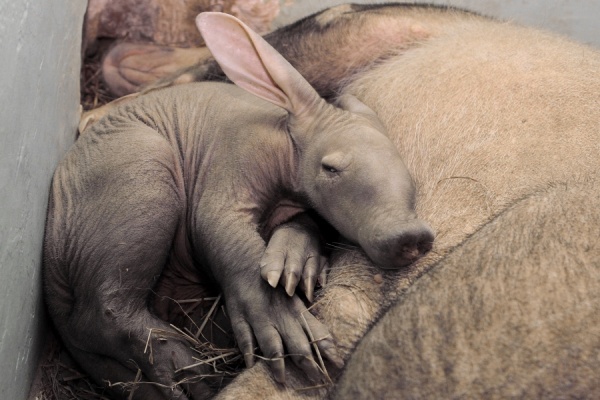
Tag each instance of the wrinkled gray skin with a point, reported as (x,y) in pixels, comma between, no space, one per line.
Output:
(499,127)
(191,176)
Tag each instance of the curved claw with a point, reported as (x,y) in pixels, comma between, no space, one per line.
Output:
(278,322)
(291,281)
(309,288)
(294,256)
(321,338)
(245,339)
(273,278)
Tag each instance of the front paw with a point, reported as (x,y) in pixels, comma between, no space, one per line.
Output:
(294,256)
(276,322)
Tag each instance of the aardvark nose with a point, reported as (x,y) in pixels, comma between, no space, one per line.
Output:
(409,242)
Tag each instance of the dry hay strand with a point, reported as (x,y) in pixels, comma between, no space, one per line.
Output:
(62,379)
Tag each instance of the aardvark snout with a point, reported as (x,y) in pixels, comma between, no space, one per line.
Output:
(402,246)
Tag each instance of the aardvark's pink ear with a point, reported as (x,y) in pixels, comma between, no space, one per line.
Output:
(252,64)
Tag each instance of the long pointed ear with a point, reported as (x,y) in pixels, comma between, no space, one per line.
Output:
(252,64)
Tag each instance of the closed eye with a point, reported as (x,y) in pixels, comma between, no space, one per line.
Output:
(336,162)
(329,168)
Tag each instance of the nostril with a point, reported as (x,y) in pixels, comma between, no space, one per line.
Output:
(425,239)
(411,252)
(413,243)
(401,246)
(426,245)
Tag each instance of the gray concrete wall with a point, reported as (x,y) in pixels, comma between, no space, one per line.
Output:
(39,100)
(575,18)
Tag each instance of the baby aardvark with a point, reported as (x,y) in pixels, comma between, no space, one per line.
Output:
(198,175)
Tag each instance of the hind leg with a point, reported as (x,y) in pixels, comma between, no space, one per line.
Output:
(124,213)
(129,67)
